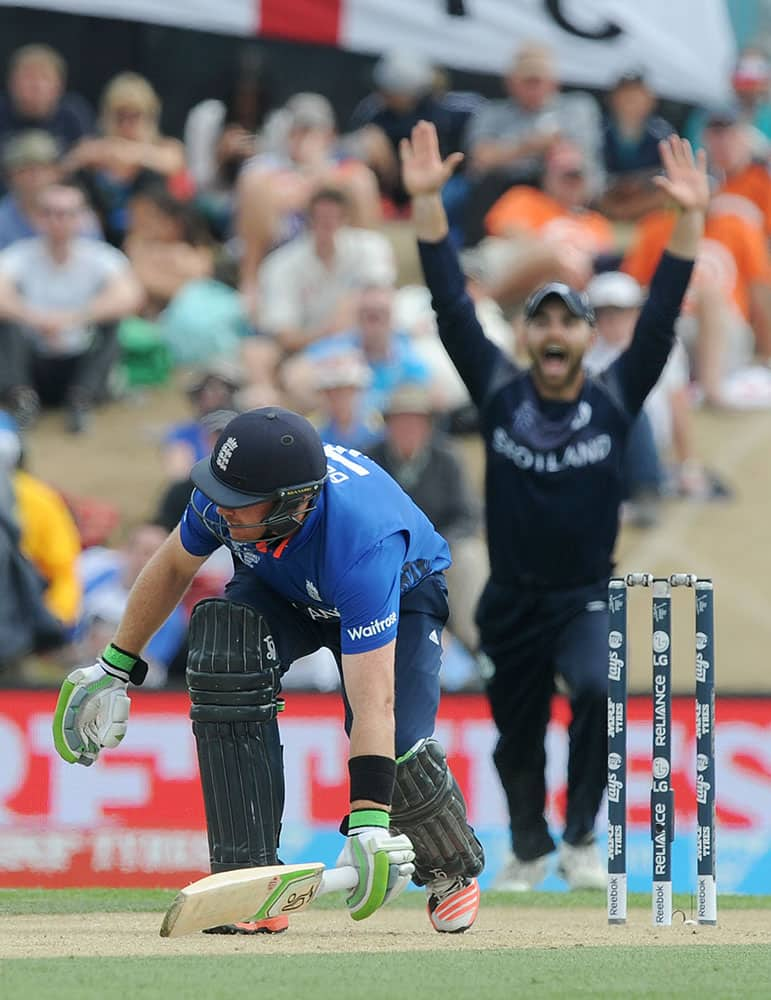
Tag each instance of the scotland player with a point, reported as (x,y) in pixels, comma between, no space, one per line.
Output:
(328,552)
(554,439)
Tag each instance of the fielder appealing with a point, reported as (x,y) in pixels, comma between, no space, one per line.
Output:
(554,439)
(329,552)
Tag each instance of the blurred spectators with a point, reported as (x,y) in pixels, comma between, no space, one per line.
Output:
(743,183)
(299,155)
(30,164)
(726,316)
(107,576)
(345,416)
(308,289)
(386,347)
(168,244)
(421,460)
(406,94)
(130,153)
(507,140)
(750,82)
(36,98)
(210,389)
(61,297)
(548,235)
(617,298)
(48,536)
(631,149)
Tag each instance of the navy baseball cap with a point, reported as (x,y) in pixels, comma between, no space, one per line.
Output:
(577,302)
(264,454)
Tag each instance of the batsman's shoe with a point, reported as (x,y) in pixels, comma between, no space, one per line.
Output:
(453,904)
(580,866)
(521,876)
(271,925)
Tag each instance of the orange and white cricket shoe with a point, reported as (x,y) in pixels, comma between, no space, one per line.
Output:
(271,925)
(453,904)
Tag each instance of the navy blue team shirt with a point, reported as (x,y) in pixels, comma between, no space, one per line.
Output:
(363,546)
(554,480)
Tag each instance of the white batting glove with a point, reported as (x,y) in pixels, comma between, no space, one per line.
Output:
(93,708)
(384,861)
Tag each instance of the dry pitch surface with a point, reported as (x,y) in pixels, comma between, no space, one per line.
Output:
(331,931)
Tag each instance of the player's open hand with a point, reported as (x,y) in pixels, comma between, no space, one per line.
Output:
(685,176)
(423,169)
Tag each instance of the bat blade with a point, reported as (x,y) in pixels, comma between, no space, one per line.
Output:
(243,894)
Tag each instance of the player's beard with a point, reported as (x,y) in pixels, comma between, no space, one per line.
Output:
(553,382)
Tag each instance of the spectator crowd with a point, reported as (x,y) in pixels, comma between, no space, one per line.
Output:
(263,256)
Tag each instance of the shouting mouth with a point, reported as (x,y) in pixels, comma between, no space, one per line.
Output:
(554,360)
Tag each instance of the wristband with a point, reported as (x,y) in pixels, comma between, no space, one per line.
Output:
(372,778)
(123,665)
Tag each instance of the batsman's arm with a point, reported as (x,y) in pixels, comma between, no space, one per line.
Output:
(157,591)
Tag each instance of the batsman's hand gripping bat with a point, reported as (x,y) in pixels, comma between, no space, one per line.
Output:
(252,894)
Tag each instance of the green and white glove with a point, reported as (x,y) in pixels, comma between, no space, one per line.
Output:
(384,861)
(93,708)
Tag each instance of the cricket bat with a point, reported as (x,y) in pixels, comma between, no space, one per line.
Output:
(251,894)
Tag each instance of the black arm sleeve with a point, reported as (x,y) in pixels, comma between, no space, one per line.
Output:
(472,353)
(638,369)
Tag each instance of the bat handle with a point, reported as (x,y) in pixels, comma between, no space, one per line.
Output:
(337,879)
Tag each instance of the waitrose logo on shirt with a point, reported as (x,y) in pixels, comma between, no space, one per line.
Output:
(375,627)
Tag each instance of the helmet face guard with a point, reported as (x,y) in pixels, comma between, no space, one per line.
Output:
(284,517)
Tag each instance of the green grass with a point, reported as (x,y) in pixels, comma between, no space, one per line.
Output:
(451,973)
(17,901)
(710,971)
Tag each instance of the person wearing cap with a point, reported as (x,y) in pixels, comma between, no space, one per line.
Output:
(632,133)
(346,417)
(36,99)
(420,458)
(617,299)
(405,94)
(554,440)
(275,187)
(30,164)
(329,552)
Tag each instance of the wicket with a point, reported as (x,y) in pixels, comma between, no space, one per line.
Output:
(662,795)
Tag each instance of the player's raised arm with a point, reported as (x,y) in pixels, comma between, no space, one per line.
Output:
(424,174)
(685,181)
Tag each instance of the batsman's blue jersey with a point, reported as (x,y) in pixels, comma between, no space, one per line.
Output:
(554,480)
(363,547)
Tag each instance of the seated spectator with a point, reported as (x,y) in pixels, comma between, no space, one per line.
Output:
(750,83)
(743,182)
(421,460)
(345,416)
(404,96)
(386,348)
(48,536)
(211,389)
(61,297)
(726,314)
(36,98)
(507,140)
(617,298)
(30,165)
(107,576)
(549,234)
(300,155)
(168,244)
(130,153)
(632,133)
(308,289)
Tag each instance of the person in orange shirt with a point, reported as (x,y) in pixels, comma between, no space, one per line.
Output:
(549,234)
(727,309)
(744,181)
